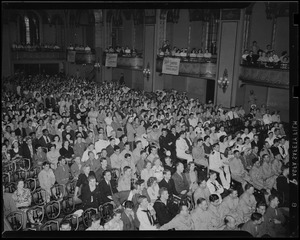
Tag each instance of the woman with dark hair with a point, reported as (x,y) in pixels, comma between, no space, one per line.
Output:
(116,222)
(67,151)
(16,151)
(152,189)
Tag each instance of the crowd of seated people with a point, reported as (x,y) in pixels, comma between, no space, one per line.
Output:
(79,48)
(35,47)
(193,55)
(264,58)
(123,51)
(160,160)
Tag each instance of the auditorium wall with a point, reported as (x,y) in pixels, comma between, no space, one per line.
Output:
(260,26)
(261,29)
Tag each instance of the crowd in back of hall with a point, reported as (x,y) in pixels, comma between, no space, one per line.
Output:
(233,165)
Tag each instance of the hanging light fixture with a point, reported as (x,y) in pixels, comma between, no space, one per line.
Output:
(223,81)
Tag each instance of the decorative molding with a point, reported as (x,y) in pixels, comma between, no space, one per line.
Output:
(231,14)
(133,63)
(265,77)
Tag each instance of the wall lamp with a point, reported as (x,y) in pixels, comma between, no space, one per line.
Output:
(223,81)
(147,71)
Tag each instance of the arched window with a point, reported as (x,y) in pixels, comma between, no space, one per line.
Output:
(29,29)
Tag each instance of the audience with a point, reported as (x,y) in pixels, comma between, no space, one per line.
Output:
(99,134)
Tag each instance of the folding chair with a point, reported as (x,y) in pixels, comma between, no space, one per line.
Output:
(57,192)
(73,220)
(35,216)
(68,205)
(15,220)
(39,197)
(10,187)
(52,210)
(51,225)
(86,215)
(30,183)
(70,187)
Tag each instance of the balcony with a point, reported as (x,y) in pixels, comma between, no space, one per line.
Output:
(130,62)
(268,77)
(35,55)
(196,68)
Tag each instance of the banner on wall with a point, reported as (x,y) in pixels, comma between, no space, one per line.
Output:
(71,56)
(171,66)
(111,60)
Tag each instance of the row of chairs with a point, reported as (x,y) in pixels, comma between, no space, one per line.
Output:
(49,217)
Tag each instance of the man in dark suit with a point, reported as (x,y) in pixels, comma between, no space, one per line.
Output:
(74,109)
(45,140)
(164,213)
(128,217)
(181,183)
(27,149)
(29,128)
(168,183)
(106,188)
(20,130)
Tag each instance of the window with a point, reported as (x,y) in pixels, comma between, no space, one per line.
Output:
(26,19)
(29,30)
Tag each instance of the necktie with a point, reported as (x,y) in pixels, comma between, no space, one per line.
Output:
(216,188)
(46,139)
(283,152)
(130,218)
(149,216)
(110,188)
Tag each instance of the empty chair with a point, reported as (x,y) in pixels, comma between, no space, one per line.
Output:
(57,192)
(52,210)
(50,225)
(6,177)
(73,220)
(22,174)
(30,183)
(70,187)
(67,205)
(86,215)
(15,220)
(10,187)
(35,216)
(39,196)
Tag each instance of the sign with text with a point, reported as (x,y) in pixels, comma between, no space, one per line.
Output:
(71,56)
(171,66)
(111,60)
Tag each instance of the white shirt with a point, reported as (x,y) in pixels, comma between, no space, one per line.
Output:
(215,161)
(144,220)
(85,155)
(212,188)
(181,146)
(267,119)
(101,144)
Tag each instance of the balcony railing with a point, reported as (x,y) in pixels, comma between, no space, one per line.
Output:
(128,62)
(265,76)
(36,55)
(190,67)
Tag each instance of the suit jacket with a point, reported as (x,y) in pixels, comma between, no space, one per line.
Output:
(169,185)
(26,151)
(43,143)
(181,183)
(106,191)
(163,213)
(28,130)
(127,224)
